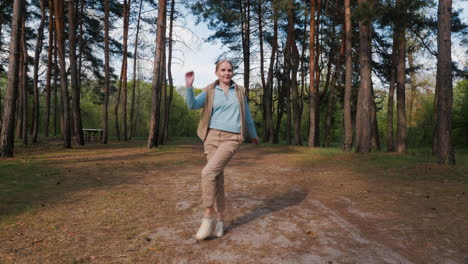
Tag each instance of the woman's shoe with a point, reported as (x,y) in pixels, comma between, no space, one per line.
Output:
(206,228)
(219,229)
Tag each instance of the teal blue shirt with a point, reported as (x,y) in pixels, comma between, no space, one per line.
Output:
(226,113)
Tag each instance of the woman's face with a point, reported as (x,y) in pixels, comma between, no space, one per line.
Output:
(224,73)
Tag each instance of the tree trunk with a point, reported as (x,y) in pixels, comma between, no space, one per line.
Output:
(375,139)
(363,113)
(124,64)
(331,98)
(313,106)
(317,72)
(55,83)
(135,54)
(292,64)
(266,131)
(445,151)
(105,105)
(391,103)
(245,24)
(80,51)
(59,27)
(348,123)
(269,84)
(40,34)
(49,68)
(163,96)
(156,84)
(77,123)
(9,106)
(400,78)
(169,72)
(24,84)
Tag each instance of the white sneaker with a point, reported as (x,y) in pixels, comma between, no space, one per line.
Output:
(219,229)
(206,228)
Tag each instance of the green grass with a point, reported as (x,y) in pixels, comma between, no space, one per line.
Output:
(25,184)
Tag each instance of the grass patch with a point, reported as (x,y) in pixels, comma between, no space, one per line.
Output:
(24,184)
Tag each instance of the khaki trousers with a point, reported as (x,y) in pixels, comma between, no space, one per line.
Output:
(220,147)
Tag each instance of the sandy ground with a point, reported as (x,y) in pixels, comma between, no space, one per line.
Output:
(284,205)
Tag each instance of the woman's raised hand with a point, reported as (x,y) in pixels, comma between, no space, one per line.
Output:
(189,77)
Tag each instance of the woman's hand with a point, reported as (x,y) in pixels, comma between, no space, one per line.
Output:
(189,78)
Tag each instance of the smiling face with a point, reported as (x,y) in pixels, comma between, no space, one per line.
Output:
(224,72)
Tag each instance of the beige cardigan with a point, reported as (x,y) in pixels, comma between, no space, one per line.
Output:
(205,118)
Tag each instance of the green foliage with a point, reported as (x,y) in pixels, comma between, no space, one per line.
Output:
(460,113)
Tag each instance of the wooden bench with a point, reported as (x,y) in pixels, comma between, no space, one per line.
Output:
(92,134)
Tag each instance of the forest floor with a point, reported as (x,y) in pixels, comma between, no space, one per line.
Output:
(122,203)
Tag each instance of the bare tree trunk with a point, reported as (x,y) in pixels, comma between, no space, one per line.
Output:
(348,123)
(9,107)
(445,151)
(413,87)
(169,72)
(124,63)
(163,97)
(49,68)
(266,131)
(331,98)
(55,83)
(24,84)
(245,24)
(269,84)
(117,104)
(19,110)
(391,103)
(105,105)
(313,95)
(156,84)
(80,51)
(400,78)
(317,72)
(59,25)
(132,106)
(363,114)
(77,123)
(40,34)
(375,139)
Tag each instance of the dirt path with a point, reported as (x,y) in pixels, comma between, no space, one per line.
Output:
(284,205)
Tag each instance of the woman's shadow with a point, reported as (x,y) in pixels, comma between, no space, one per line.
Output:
(289,198)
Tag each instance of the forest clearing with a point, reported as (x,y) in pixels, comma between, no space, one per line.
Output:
(123,203)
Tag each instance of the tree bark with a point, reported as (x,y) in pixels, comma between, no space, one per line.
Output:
(9,106)
(313,96)
(348,123)
(49,68)
(40,34)
(331,98)
(400,78)
(156,84)
(266,131)
(105,105)
(132,106)
(269,84)
(391,103)
(169,72)
(59,27)
(24,84)
(78,127)
(124,64)
(245,24)
(445,152)
(55,83)
(363,113)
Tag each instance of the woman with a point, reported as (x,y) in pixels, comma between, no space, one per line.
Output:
(224,123)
